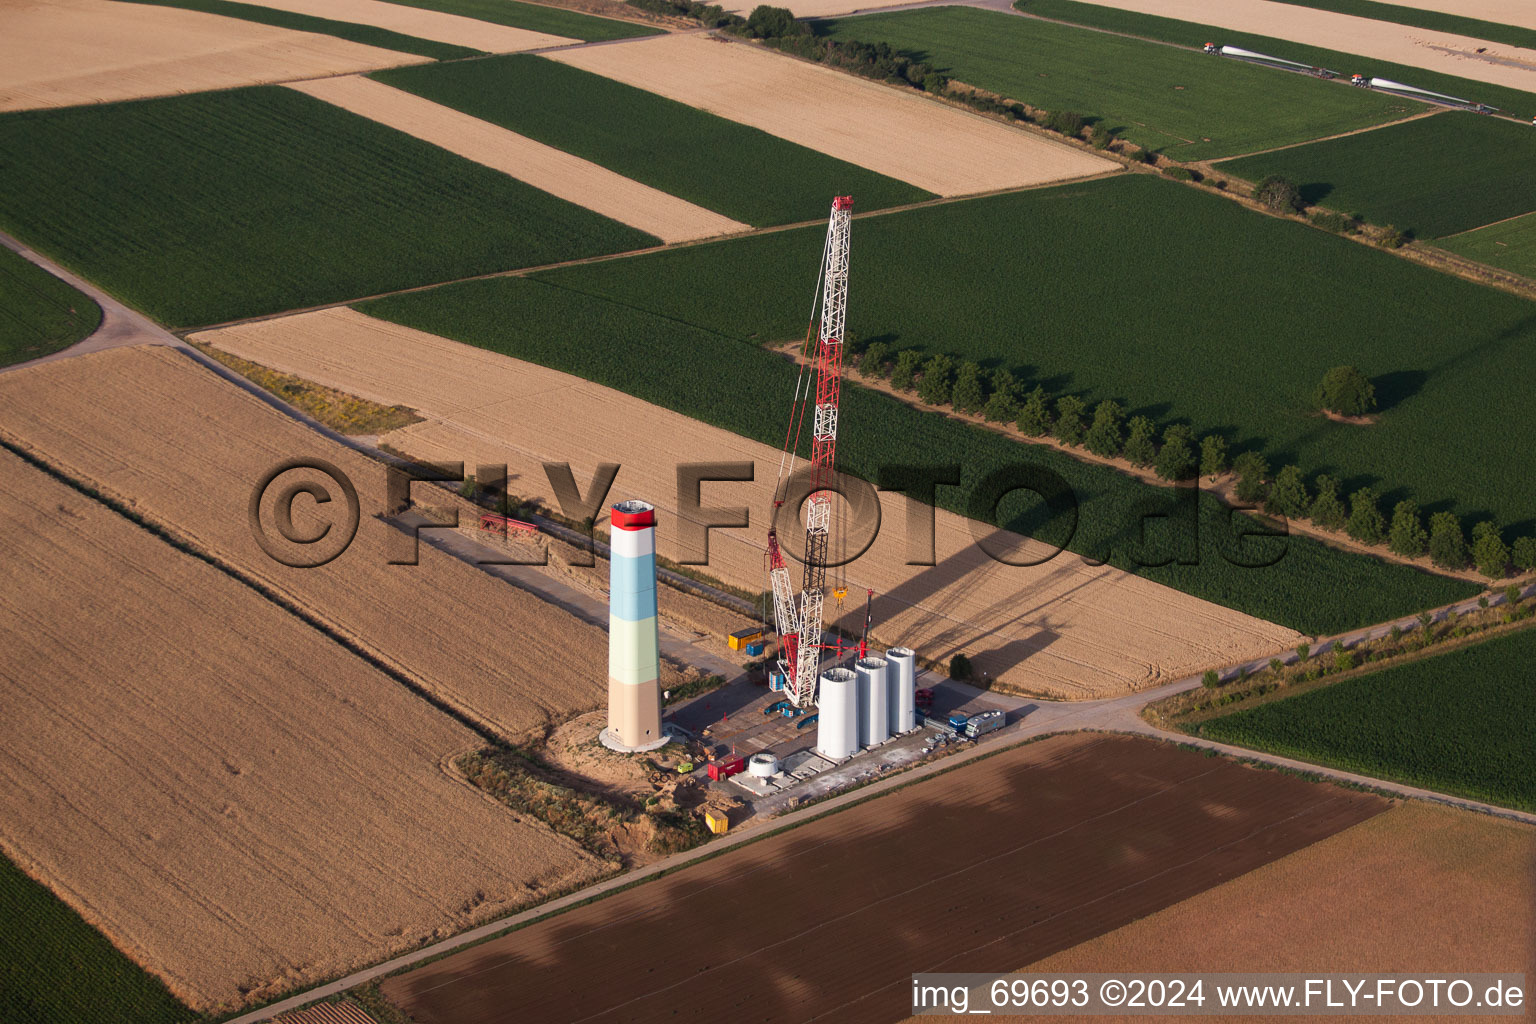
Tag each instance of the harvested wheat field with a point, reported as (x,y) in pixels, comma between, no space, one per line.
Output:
(1064,628)
(1420,889)
(57,53)
(559,173)
(1504,12)
(1445,52)
(237,802)
(894,132)
(185,448)
(423,24)
(1078,834)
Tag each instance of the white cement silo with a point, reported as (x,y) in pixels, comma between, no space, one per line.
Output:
(874,702)
(901,679)
(837,702)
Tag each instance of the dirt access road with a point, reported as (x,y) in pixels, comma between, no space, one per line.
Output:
(1026,853)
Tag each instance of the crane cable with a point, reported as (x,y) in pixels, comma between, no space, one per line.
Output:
(802,386)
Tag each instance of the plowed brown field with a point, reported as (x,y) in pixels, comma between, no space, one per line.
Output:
(239,803)
(995,864)
(186,449)
(897,133)
(1444,52)
(56,53)
(559,173)
(1063,628)
(1420,889)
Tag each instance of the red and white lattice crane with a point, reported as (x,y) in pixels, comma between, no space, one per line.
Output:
(801,629)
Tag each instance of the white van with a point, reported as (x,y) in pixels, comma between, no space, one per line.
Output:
(983,723)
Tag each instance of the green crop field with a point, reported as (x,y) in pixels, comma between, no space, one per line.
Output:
(1509,245)
(1175,302)
(1435,21)
(537,18)
(1193,34)
(357,33)
(56,969)
(1456,722)
(1178,102)
(220,205)
(39,313)
(736,385)
(1434,176)
(739,171)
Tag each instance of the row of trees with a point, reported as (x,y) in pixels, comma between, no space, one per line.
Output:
(1174,454)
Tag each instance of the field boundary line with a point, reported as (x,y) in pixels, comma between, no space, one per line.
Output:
(182,332)
(179,540)
(1329,138)
(1492,223)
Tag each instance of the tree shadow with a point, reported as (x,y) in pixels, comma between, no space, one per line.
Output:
(1315,192)
(1392,389)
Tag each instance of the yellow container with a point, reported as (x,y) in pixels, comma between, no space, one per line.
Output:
(742,637)
(716,821)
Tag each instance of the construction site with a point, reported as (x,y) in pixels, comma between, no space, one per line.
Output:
(371,371)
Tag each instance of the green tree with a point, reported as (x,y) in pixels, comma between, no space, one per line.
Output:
(1105,437)
(1489,552)
(1069,419)
(1067,122)
(1035,414)
(1176,458)
(1213,455)
(1407,537)
(1251,469)
(1327,510)
(1447,544)
(774,23)
(1288,494)
(1004,381)
(1524,553)
(1279,194)
(937,379)
(1210,680)
(907,362)
(960,667)
(1141,445)
(1346,391)
(1103,134)
(1365,522)
(969,395)
(1001,407)
(872,362)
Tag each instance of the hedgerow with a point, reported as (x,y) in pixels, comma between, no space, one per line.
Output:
(729,383)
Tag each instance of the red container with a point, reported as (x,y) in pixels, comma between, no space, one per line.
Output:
(725,769)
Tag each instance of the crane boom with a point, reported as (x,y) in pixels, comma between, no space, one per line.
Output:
(801,630)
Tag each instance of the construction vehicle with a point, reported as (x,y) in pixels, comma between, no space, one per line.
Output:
(1212,48)
(1360,80)
(985,722)
(801,629)
(685,768)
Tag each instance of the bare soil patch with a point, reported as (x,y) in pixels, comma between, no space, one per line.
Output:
(1354,421)
(899,134)
(1505,12)
(236,801)
(186,449)
(1063,628)
(1401,44)
(58,53)
(1001,861)
(424,24)
(544,167)
(1419,889)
